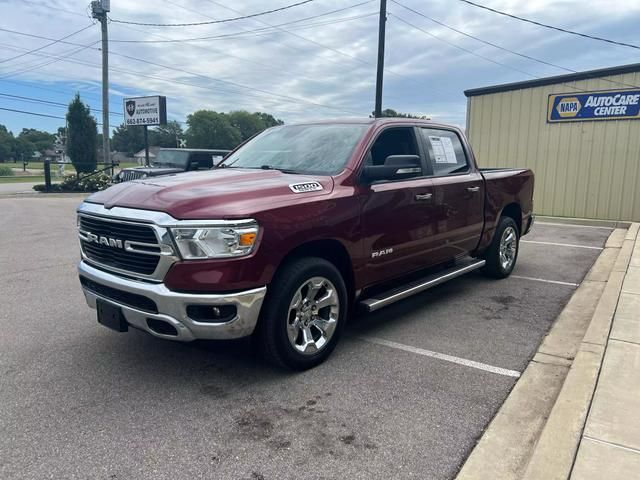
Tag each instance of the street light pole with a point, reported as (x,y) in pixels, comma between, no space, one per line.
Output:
(99,9)
(379,77)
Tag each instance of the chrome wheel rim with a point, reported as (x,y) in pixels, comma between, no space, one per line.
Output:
(313,315)
(508,248)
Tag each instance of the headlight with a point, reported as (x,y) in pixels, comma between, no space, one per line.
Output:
(215,242)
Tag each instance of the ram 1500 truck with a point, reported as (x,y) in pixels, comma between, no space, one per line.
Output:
(296,229)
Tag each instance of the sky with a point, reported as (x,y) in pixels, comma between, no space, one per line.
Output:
(288,64)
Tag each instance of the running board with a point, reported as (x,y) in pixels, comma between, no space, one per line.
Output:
(387,298)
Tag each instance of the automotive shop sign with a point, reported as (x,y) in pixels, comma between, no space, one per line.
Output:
(145,111)
(598,105)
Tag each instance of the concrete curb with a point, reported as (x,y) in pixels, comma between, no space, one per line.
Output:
(536,432)
(557,446)
(583,221)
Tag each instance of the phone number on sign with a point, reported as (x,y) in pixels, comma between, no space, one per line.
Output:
(143,121)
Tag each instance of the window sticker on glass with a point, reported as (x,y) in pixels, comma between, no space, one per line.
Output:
(443,149)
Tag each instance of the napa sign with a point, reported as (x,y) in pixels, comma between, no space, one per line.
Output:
(598,105)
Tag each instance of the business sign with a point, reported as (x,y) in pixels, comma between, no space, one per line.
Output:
(598,105)
(145,111)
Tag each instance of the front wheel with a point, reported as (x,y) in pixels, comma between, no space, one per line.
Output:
(304,314)
(502,254)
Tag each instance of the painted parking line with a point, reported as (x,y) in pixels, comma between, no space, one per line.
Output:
(442,356)
(571,245)
(555,282)
(573,225)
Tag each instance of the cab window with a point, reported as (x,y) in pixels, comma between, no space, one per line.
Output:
(446,154)
(205,160)
(395,141)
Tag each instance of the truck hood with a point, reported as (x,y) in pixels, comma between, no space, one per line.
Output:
(214,194)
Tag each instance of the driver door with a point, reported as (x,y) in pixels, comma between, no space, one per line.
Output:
(396,213)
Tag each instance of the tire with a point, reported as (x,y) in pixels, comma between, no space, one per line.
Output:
(305,309)
(501,266)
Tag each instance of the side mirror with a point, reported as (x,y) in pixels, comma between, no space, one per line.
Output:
(194,166)
(394,166)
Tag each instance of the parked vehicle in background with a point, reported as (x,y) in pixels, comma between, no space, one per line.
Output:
(295,229)
(173,160)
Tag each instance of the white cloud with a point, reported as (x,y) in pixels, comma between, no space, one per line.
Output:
(291,74)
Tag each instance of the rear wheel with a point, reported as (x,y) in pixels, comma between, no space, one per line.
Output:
(502,254)
(304,314)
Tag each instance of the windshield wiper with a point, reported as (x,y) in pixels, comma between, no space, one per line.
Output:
(283,170)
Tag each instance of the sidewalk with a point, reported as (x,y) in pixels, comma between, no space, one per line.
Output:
(610,443)
(575,412)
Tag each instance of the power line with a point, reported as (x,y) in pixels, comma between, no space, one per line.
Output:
(211,22)
(263,30)
(49,62)
(461,48)
(32,113)
(481,40)
(47,45)
(235,84)
(540,24)
(49,102)
(528,57)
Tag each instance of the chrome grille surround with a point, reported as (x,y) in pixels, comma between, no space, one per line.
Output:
(153,259)
(159,222)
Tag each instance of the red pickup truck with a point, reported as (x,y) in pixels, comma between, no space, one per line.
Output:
(296,229)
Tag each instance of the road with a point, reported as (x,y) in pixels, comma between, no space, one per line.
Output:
(18,187)
(80,401)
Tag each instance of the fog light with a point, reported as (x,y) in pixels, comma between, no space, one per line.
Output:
(212,313)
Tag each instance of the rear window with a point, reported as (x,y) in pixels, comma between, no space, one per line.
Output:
(446,153)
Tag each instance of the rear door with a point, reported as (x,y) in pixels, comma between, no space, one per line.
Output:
(396,213)
(458,203)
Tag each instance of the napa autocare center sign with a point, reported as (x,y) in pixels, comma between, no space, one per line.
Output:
(145,111)
(598,105)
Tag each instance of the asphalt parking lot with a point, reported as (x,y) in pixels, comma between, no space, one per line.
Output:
(405,395)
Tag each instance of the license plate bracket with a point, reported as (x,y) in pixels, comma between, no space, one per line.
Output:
(111,316)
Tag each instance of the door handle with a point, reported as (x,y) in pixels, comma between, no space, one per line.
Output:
(421,197)
(473,189)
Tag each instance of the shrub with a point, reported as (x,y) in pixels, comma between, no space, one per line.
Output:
(71,183)
(6,171)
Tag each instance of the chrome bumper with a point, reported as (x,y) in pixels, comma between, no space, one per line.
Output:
(172,307)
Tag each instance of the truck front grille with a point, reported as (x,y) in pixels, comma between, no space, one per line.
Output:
(104,242)
(127,175)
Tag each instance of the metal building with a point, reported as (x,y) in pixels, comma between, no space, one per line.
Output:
(580,133)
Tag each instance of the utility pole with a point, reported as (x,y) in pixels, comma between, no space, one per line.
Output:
(99,9)
(381,34)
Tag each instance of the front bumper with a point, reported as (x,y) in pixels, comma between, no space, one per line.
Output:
(172,306)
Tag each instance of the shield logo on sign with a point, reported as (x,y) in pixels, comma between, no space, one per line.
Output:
(130,105)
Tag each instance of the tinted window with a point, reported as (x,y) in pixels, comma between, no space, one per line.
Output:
(171,158)
(320,149)
(204,160)
(395,141)
(445,151)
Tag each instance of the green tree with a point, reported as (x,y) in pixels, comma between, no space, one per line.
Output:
(128,139)
(166,135)
(22,149)
(209,129)
(7,143)
(42,140)
(81,136)
(390,112)
(269,120)
(247,123)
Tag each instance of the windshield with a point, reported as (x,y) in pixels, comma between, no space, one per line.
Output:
(171,159)
(317,149)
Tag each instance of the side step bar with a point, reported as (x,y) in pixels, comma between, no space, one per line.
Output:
(400,293)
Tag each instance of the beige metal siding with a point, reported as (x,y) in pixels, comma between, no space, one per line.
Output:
(583,169)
